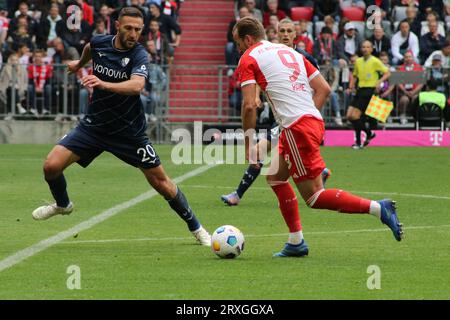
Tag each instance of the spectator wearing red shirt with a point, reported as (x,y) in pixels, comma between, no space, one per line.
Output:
(88,12)
(302,35)
(408,92)
(273,9)
(39,75)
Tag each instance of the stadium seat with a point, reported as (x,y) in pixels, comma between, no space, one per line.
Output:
(430,116)
(353,13)
(399,13)
(302,13)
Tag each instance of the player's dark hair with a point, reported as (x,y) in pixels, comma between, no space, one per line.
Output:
(250,26)
(130,12)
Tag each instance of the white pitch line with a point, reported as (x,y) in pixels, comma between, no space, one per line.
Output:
(411,195)
(21,255)
(255,235)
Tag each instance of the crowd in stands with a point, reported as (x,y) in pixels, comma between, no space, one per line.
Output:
(42,35)
(407,35)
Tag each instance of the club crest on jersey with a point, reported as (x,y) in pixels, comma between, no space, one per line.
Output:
(125,61)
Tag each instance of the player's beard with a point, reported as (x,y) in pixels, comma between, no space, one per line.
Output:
(124,43)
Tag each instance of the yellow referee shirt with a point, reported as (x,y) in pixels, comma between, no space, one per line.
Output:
(367,71)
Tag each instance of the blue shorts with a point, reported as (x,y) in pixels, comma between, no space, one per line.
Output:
(136,151)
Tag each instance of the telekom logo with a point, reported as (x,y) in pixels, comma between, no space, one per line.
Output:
(436,138)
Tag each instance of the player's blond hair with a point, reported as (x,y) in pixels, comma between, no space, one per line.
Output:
(250,26)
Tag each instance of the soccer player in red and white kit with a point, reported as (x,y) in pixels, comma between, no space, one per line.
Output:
(296,91)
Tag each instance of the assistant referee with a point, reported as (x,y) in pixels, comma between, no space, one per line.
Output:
(367,72)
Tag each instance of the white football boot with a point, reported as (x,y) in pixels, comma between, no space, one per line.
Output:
(202,236)
(48,211)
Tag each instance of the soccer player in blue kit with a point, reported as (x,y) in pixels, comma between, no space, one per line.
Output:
(114,122)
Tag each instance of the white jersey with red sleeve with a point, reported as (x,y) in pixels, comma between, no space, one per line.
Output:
(284,75)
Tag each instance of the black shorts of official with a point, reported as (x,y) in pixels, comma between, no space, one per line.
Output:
(362,98)
(88,145)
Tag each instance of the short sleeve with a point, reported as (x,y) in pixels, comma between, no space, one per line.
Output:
(246,71)
(381,67)
(311,70)
(140,64)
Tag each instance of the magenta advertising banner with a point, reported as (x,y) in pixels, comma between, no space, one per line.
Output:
(391,138)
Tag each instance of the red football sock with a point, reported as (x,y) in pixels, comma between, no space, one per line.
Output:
(338,200)
(287,200)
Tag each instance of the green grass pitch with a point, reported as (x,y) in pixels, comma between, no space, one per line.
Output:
(146,252)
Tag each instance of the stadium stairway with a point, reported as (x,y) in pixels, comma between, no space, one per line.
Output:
(195,77)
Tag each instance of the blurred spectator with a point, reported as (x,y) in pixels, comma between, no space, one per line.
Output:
(62,53)
(20,35)
(438,73)
(39,75)
(413,20)
(24,54)
(88,11)
(251,6)
(23,12)
(407,92)
(234,94)
(47,28)
(349,43)
(167,25)
(426,6)
(105,14)
(403,41)
(164,52)
(330,22)
(4,26)
(431,41)
(385,88)
(329,73)
(273,21)
(74,37)
(99,28)
(11,73)
(352,3)
(231,53)
(271,33)
(444,53)
(325,47)
(153,56)
(326,8)
(432,17)
(272,10)
(153,93)
(380,42)
(301,29)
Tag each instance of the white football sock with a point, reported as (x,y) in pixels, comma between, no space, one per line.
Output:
(295,237)
(375,209)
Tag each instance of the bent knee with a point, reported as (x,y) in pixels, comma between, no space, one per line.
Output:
(52,169)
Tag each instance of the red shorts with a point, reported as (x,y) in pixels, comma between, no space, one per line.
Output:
(299,145)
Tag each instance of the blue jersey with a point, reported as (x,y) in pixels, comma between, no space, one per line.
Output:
(111,113)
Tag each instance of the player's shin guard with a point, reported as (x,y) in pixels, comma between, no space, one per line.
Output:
(249,177)
(338,200)
(287,200)
(58,187)
(181,206)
